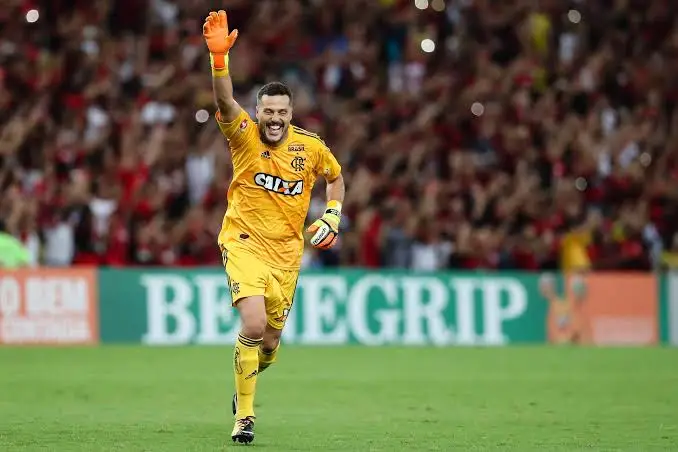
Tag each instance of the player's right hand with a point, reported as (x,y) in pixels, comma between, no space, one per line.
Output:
(215,31)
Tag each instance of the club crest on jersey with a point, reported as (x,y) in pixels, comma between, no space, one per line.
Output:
(298,163)
(296,147)
(243,125)
(278,185)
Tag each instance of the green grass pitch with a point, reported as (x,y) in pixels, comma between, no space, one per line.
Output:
(342,399)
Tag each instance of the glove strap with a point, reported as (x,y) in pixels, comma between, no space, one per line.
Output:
(334,208)
(219,62)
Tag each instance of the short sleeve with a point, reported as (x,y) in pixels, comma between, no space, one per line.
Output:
(327,166)
(238,131)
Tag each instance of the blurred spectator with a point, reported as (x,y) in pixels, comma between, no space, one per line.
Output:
(13,253)
(59,234)
(473,133)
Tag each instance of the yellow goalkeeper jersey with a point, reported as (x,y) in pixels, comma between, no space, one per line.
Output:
(270,193)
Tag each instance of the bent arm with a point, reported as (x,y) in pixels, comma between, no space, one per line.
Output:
(336,189)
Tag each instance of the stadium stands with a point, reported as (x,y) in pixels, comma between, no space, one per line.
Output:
(473,134)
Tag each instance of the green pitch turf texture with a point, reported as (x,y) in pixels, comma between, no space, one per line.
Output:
(342,399)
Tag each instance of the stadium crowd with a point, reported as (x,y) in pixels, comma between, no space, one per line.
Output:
(473,134)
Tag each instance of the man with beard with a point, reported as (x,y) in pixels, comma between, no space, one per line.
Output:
(274,168)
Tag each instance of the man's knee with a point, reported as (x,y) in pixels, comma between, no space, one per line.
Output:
(271,339)
(252,316)
(270,344)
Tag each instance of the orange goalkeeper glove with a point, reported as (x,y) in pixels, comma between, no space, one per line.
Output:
(219,40)
(326,229)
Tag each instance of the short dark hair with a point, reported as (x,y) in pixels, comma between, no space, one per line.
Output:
(274,89)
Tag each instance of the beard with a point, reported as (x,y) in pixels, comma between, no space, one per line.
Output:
(272,132)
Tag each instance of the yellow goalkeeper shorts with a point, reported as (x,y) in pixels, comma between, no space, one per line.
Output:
(249,276)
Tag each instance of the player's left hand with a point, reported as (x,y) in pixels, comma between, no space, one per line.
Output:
(325,229)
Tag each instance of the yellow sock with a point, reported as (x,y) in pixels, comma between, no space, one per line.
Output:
(267,358)
(245,368)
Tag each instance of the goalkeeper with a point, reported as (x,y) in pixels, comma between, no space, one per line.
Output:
(275,165)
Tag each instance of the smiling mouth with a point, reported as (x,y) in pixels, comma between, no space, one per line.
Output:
(274,128)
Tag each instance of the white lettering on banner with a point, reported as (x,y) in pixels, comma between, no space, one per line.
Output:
(375,309)
(217,319)
(10,296)
(46,307)
(359,313)
(160,309)
(482,306)
(52,296)
(322,295)
(464,289)
(44,329)
(431,313)
(494,315)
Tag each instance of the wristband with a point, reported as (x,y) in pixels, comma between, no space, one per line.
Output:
(334,208)
(219,63)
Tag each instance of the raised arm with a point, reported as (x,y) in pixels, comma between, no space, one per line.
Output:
(219,42)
